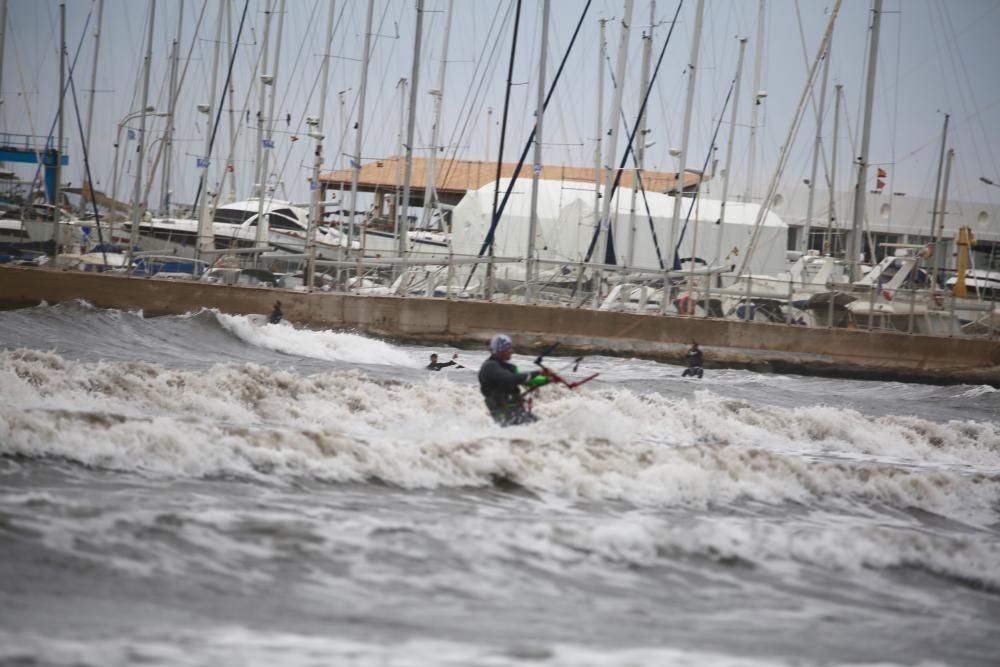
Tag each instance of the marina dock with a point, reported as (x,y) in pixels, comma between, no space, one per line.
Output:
(836,352)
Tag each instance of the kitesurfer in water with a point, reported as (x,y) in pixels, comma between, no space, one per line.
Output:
(276,314)
(436,365)
(695,359)
(499,382)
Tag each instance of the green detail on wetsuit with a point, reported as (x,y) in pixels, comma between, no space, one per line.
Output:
(533,380)
(537,381)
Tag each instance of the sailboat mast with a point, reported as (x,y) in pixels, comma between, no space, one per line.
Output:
(168,134)
(359,126)
(640,149)
(404,227)
(729,151)
(398,194)
(755,99)
(531,266)
(3,35)
(269,119)
(57,190)
(93,76)
(679,182)
(206,232)
(430,196)
(263,78)
(602,53)
(613,124)
(866,135)
(937,183)
(938,252)
(817,147)
(316,213)
(838,94)
(230,172)
(141,148)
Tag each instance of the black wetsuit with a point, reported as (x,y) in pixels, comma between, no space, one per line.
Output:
(275,316)
(499,383)
(695,359)
(438,365)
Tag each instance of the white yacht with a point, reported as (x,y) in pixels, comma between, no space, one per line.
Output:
(234,225)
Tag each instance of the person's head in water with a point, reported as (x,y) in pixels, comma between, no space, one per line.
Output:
(277,304)
(501,347)
(694,345)
(434,358)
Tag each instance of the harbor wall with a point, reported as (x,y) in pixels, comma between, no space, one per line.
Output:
(464,323)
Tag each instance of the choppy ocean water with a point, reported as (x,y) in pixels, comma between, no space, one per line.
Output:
(199,490)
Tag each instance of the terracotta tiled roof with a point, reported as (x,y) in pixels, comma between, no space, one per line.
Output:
(455,177)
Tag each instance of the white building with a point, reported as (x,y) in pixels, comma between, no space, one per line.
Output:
(566,224)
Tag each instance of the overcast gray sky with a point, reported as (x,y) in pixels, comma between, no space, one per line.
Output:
(936,56)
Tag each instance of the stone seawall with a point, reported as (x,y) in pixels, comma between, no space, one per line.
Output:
(760,346)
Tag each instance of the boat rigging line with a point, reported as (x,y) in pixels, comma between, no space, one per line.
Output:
(222,102)
(86,166)
(503,136)
(631,140)
(498,211)
(708,156)
(62,93)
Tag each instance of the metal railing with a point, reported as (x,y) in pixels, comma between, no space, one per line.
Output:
(703,293)
(29,143)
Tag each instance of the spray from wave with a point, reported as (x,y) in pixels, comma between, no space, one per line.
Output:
(250,420)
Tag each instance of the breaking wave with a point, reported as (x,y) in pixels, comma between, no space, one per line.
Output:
(248,420)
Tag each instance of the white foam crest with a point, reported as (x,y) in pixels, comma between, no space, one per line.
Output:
(784,546)
(325,344)
(146,541)
(829,430)
(249,420)
(981,390)
(973,558)
(212,646)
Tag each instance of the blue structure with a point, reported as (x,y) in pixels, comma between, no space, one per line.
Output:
(21,148)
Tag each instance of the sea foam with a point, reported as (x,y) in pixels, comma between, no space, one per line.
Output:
(251,420)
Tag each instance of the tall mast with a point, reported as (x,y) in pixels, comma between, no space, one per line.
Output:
(804,244)
(3,35)
(488,291)
(398,195)
(57,190)
(602,52)
(264,79)
(640,149)
(531,265)
(679,182)
(832,219)
(489,128)
(938,253)
(359,127)
(206,232)
(168,134)
(230,168)
(93,75)
(729,150)
(430,196)
(141,148)
(613,124)
(866,134)
(793,129)
(316,213)
(755,99)
(937,183)
(404,227)
(270,126)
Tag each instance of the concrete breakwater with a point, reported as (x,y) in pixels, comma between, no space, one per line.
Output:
(755,345)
